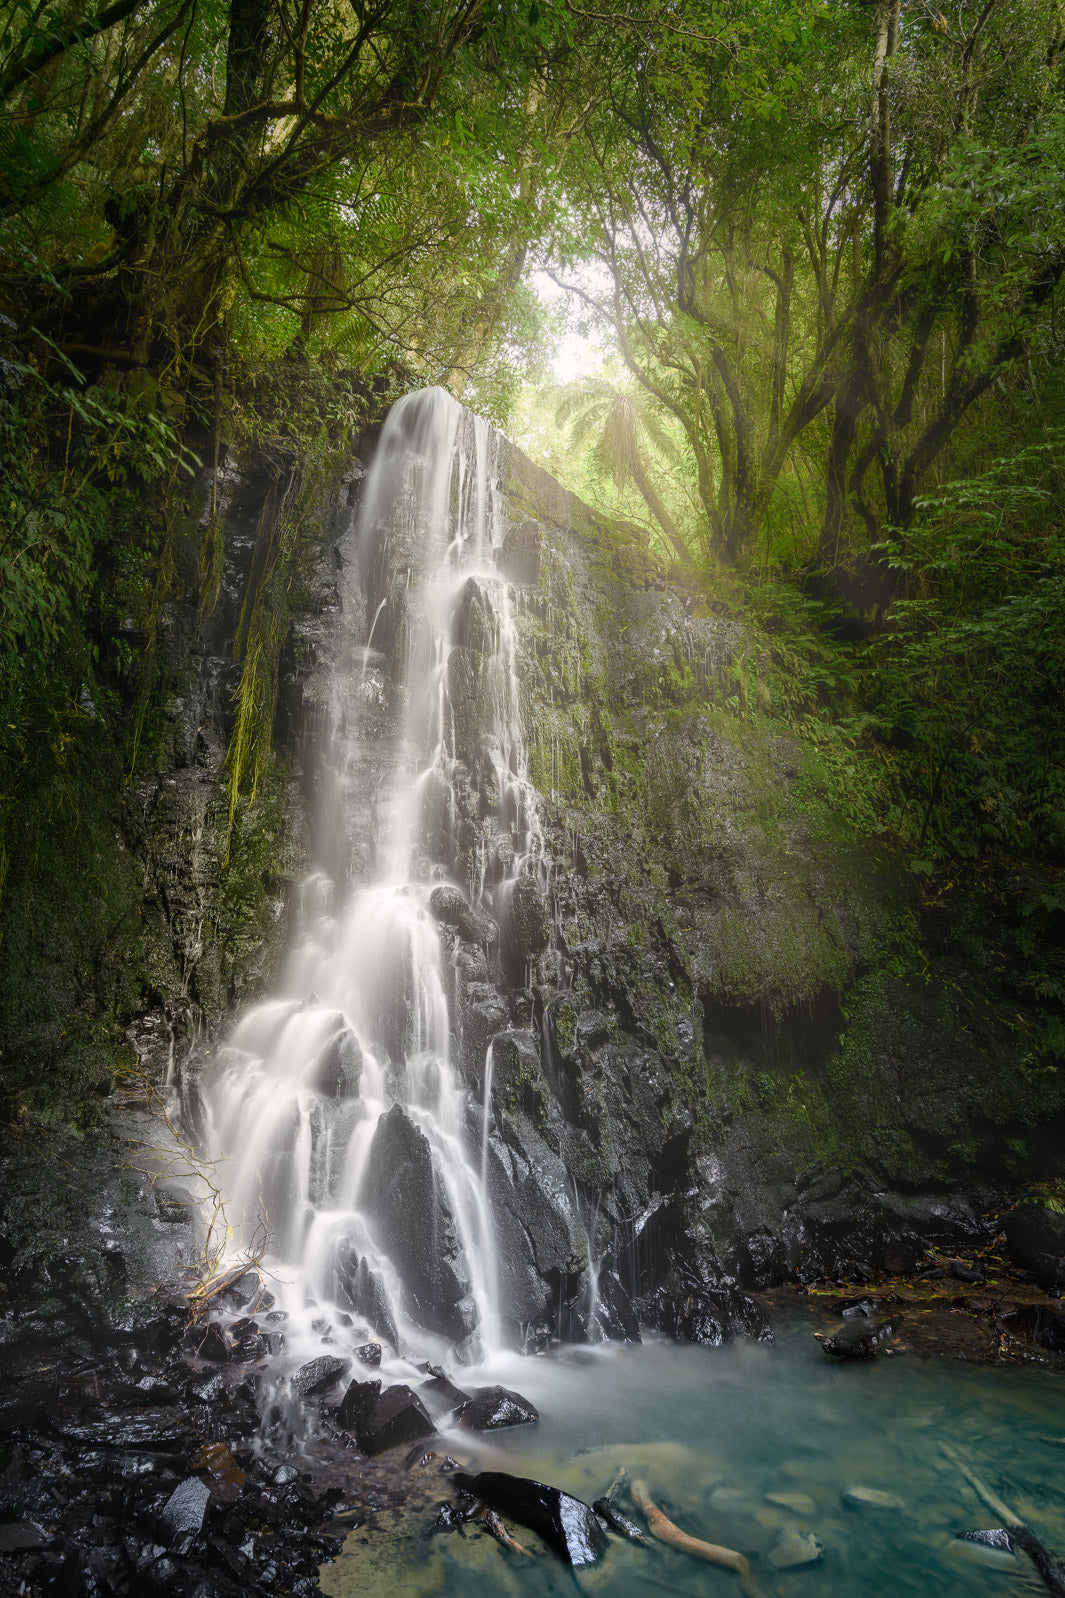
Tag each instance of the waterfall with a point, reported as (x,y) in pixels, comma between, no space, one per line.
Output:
(342,1127)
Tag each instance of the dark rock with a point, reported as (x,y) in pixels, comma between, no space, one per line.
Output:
(492,1407)
(185,1509)
(853,1308)
(519,554)
(338,1068)
(209,1343)
(449,1517)
(393,1417)
(357,1398)
(242,1289)
(997,1537)
(694,1308)
(448,905)
(566,1524)
(524,923)
(369,1353)
(403,1193)
(1035,1238)
(1041,1324)
(318,1375)
(18,1535)
(443,1389)
(476,624)
(966,1273)
(361,1288)
(864,1337)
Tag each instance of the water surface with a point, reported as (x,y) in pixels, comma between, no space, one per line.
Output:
(742,1445)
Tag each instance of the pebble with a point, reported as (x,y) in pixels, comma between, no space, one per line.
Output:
(871,1498)
(796,1548)
(801,1503)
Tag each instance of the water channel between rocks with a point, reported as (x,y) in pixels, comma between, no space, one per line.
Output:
(744,1446)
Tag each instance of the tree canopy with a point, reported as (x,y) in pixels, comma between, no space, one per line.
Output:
(827,240)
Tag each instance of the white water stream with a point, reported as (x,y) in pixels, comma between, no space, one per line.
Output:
(377,1218)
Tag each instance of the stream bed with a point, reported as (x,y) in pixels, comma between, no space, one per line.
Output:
(745,1446)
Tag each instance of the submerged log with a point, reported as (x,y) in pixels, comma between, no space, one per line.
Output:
(608,1511)
(664,1529)
(1014,1531)
(493,1524)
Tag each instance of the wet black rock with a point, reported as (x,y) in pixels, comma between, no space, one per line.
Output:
(855,1308)
(361,1289)
(441,1389)
(358,1397)
(383,1418)
(185,1509)
(369,1353)
(493,1407)
(207,1342)
(404,1195)
(18,1535)
(318,1375)
(696,1307)
(525,925)
(396,1416)
(1041,1324)
(568,1525)
(864,1337)
(1035,1237)
(448,905)
(476,624)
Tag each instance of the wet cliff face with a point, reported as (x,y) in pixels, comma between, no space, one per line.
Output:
(706,1054)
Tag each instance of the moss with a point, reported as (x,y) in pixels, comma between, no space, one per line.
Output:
(72,969)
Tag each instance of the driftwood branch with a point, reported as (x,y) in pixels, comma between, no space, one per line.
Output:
(663,1528)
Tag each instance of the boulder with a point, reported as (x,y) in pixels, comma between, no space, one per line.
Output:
(1035,1238)
(695,1308)
(361,1289)
(369,1353)
(358,1396)
(493,1407)
(796,1548)
(568,1525)
(524,924)
(863,1337)
(1041,1324)
(442,1389)
(871,1498)
(448,905)
(405,1198)
(383,1419)
(209,1343)
(318,1375)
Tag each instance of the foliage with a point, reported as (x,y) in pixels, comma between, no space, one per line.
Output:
(826,233)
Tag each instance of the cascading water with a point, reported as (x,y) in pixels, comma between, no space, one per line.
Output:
(345,1131)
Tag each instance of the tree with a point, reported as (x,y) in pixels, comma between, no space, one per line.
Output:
(618,422)
(827,226)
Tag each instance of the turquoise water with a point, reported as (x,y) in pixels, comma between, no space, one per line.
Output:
(741,1446)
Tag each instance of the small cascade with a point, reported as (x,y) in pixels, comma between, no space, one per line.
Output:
(344,1130)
